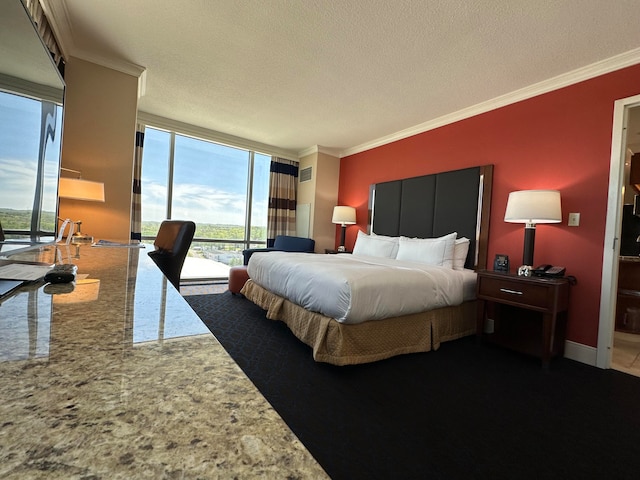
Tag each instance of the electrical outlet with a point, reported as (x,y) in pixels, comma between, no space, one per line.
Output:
(489,325)
(574,220)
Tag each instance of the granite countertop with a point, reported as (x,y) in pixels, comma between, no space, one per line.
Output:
(125,381)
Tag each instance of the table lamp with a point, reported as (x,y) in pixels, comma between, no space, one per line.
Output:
(343,216)
(78,189)
(532,207)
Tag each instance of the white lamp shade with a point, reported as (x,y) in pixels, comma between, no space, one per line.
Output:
(81,189)
(344,215)
(534,206)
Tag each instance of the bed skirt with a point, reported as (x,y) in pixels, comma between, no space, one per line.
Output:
(347,344)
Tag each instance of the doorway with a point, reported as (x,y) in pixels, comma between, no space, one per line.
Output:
(616,349)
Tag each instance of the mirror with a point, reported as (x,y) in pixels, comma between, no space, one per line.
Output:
(31,104)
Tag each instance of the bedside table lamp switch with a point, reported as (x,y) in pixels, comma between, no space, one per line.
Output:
(532,207)
(574,220)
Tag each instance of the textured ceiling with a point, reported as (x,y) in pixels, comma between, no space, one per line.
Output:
(340,74)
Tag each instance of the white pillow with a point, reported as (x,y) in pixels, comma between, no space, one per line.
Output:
(375,245)
(395,240)
(460,250)
(432,251)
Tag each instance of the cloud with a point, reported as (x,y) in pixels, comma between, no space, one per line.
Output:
(17,184)
(209,205)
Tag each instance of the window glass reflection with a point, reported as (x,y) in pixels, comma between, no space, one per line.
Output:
(25,323)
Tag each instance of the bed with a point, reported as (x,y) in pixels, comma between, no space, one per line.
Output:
(379,301)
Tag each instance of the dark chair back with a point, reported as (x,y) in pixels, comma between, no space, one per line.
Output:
(283,243)
(172,244)
(294,244)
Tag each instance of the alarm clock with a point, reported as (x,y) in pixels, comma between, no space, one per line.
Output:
(501,263)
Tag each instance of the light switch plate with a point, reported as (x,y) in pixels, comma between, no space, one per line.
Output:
(574,219)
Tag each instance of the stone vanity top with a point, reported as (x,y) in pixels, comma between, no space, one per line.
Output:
(119,379)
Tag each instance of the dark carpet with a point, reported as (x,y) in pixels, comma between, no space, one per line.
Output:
(468,410)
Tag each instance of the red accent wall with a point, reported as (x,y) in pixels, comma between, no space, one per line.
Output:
(559,140)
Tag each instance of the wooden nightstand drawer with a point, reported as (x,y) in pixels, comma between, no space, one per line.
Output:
(529,294)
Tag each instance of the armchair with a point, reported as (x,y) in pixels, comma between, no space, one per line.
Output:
(283,243)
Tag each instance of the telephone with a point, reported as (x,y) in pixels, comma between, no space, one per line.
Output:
(547,270)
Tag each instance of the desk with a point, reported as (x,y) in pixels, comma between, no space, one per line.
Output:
(535,301)
(127,382)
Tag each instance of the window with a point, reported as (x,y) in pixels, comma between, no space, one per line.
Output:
(260,198)
(155,178)
(223,189)
(210,184)
(29,160)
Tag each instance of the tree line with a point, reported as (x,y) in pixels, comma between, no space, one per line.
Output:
(21,220)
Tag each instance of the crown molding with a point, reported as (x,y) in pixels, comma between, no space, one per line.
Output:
(308,151)
(334,152)
(121,66)
(58,18)
(214,136)
(618,62)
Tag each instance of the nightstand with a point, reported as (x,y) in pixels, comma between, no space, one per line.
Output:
(529,313)
(332,251)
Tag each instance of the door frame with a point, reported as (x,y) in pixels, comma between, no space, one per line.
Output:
(609,285)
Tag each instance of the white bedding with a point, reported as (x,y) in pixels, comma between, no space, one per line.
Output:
(353,288)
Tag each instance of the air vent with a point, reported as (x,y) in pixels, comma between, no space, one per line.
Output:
(305,174)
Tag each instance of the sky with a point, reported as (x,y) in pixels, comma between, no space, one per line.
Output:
(19,144)
(210,181)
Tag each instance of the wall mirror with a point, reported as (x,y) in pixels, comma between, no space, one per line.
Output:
(31,106)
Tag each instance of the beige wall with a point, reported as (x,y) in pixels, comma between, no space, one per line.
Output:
(306,190)
(322,193)
(98,140)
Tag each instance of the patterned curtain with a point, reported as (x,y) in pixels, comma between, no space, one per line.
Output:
(136,197)
(283,190)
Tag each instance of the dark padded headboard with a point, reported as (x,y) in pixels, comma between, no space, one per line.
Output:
(435,205)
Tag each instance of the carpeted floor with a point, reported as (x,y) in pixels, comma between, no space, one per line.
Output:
(467,410)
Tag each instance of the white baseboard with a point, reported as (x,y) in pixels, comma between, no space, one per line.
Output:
(580,352)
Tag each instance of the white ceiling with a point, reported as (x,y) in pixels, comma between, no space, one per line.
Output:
(345,75)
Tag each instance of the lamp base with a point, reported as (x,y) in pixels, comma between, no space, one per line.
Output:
(529,242)
(81,239)
(525,271)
